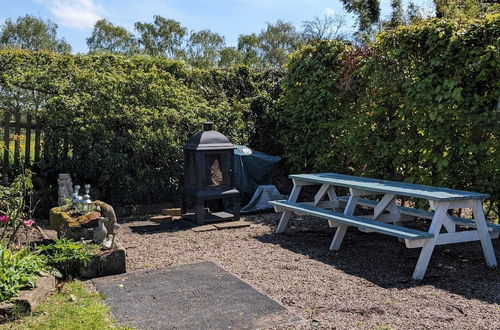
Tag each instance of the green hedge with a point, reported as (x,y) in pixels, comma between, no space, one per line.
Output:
(418,105)
(119,122)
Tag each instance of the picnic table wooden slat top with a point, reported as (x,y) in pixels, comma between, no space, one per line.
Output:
(390,187)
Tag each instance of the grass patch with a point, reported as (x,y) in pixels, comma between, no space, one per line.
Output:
(73,308)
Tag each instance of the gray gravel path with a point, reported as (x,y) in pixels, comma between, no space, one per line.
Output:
(366,284)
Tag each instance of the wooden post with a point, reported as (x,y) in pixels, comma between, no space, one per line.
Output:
(27,153)
(6,141)
(38,133)
(17,142)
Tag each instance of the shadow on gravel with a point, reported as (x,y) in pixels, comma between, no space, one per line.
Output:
(382,260)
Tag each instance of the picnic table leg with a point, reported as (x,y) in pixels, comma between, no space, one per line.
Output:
(332,196)
(286,214)
(383,204)
(341,229)
(329,190)
(426,252)
(484,236)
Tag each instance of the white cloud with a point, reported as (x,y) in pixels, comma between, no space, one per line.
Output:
(79,14)
(329,11)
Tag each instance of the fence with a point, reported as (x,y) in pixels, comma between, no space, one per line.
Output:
(22,136)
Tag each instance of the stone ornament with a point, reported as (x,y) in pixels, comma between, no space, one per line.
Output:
(65,188)
(100,232)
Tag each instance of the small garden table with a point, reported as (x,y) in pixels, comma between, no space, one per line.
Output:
(388,216)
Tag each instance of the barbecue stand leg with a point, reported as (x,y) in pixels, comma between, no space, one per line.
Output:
(428,248)
(236,208)
(199,210)
(184,206)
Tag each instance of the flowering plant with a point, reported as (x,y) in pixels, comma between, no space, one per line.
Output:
(16,207)
(28,222)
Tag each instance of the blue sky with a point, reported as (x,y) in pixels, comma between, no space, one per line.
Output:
(229,18)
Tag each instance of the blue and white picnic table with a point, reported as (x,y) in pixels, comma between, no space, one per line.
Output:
(388,216)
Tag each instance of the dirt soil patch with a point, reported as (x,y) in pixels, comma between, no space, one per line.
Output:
(366,284)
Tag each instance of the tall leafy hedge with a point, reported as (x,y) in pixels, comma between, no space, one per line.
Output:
(418,105)
(120,122)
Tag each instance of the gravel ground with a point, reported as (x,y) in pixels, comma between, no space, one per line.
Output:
(366,284)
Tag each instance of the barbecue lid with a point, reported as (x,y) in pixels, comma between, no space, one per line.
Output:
(208,139)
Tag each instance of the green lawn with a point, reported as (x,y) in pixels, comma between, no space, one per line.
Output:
(73,308)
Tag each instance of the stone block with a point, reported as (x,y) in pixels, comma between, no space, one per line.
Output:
(173,212)
(105,263)
(28,299)
(161,218)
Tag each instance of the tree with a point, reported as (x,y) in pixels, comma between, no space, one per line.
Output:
(414,13)
(327,27)
(368,12)
(204,48)
(277,41)
(162,37)
(465,8)
(32,33)
(397,15)
(111,38)
(248,46)
(230,56)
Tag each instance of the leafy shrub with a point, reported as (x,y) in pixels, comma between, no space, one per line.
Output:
(18,270)
(441,82)
(311,113)
(119,122)
(67,256)
(16,207)
(418,105)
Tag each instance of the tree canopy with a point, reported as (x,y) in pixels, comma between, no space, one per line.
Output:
(270,47)
(204,48)
(162,37)
(32,33)
(108,37)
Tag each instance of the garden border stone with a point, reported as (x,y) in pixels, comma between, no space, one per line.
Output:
(110,262)
(28,299)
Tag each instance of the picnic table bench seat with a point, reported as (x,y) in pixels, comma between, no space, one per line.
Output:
(424,214)
(350,220)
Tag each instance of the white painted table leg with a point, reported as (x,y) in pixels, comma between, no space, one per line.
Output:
(484,236)
(428,248)
(286,214)
(332,196)
(449,224)
(383,204)
(320,194)
(341,229)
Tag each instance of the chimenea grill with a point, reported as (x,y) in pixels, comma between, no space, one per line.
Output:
(209,175)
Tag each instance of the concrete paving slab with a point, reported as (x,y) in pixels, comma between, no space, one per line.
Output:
(232,224)
(161,218)
(195,296)
(204,228)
